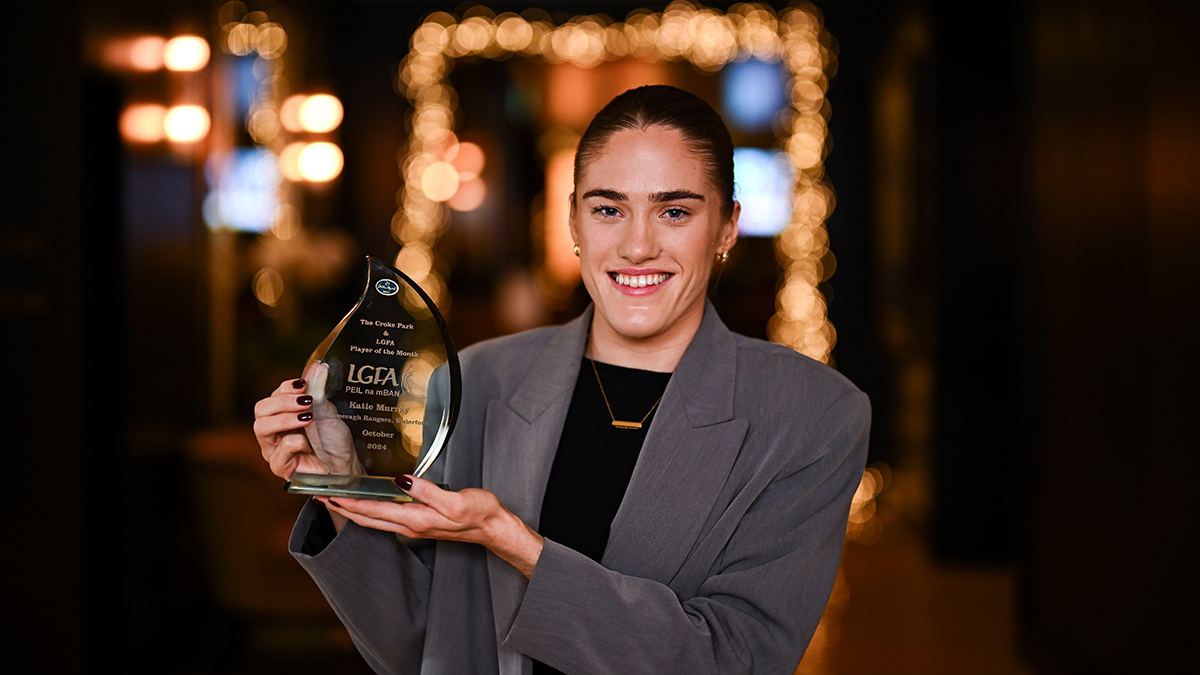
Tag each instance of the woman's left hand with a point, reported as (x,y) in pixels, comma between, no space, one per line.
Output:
(472,515)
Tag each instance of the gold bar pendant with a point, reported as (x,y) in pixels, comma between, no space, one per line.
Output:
(620,424)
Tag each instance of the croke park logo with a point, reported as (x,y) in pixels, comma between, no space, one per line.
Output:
(387,287)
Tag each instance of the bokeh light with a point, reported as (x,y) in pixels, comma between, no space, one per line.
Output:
(319,113)
(289,112)
(285,222)
(791,40)
(185,53)
(268,286)
(469,159)
(470,195)
(146,53)
(270,41)
(186,123)
(143,123)
(320,162)
(244,190)
(289,161)
(415,260)
(867,515)
(439,181)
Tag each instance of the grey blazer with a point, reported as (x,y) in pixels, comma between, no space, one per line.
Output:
(721,557)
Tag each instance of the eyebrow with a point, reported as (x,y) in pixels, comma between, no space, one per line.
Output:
(674,195)
(604,193)
(656,197)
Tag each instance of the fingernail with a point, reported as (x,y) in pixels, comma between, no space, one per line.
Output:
(404,483)
(305,416)
(304,400)
(298,384)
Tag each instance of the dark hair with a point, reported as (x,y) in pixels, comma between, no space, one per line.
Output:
(660,105)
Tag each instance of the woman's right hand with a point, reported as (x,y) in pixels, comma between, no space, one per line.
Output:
(302,432)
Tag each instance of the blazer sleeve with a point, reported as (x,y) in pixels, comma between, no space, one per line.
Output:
(378,586)
(754,613)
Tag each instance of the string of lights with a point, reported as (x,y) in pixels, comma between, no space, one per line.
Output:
(705,37)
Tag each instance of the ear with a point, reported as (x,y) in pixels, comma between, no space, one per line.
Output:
(571,219)
(728,234)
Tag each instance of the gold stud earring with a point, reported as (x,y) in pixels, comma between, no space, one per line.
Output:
(723,257)
(576,250)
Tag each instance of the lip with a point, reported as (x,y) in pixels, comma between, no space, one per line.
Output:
(638,271)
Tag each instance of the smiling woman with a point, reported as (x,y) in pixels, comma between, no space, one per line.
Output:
(637,491)
(650,224)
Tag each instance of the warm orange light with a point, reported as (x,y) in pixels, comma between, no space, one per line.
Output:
(185,53)
(469,160)
(320,162)
(146,53)
(268,286)
(241,38)
(320,113)
(271,40)
(289,162)
(561,263)
(289,112)
(469,196)
(186,123)
(143,123)
(440,181)
(285,222)
(415,260)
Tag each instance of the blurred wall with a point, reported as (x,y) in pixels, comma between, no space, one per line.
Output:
(42,324)
(1067,221)
(1114,162)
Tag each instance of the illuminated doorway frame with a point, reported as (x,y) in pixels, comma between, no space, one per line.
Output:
(705,37)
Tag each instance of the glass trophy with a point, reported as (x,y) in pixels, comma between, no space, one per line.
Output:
(386,387)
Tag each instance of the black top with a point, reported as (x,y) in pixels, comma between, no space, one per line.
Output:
(595,460)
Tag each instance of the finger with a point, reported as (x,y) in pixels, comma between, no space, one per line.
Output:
(423,491)
(281,423)
(420,519)
(361,512)
(285,402)
(291,387)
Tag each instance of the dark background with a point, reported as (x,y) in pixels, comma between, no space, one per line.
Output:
(1044,272)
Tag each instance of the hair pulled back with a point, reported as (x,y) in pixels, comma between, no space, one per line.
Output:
(660,105)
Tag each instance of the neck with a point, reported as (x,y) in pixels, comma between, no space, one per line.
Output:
(659,353)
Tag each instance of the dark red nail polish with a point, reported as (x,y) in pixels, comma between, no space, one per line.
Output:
(304,400)
(298,384)
(404,483)
(305,416)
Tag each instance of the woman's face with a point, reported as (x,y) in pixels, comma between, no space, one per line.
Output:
(649,226)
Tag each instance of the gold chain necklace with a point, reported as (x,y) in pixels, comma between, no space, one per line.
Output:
(621,424)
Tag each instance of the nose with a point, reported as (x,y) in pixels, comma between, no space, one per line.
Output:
(639,242)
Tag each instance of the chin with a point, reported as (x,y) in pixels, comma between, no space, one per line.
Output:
(635,325)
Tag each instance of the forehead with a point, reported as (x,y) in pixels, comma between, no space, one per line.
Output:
(649,160)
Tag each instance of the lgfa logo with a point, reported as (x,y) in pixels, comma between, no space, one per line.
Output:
(387,287)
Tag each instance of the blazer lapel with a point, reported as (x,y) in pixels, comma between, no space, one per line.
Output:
(521,436)
(522,433)
(688,454)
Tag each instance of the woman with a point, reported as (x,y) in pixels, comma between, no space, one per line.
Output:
(639,490)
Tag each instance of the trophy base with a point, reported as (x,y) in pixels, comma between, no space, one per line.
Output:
(355,487)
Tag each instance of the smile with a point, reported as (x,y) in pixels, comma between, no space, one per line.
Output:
(639,280)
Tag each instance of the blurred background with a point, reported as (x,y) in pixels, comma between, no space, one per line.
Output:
(984,214)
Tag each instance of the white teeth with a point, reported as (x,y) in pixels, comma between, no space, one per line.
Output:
(640,280)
